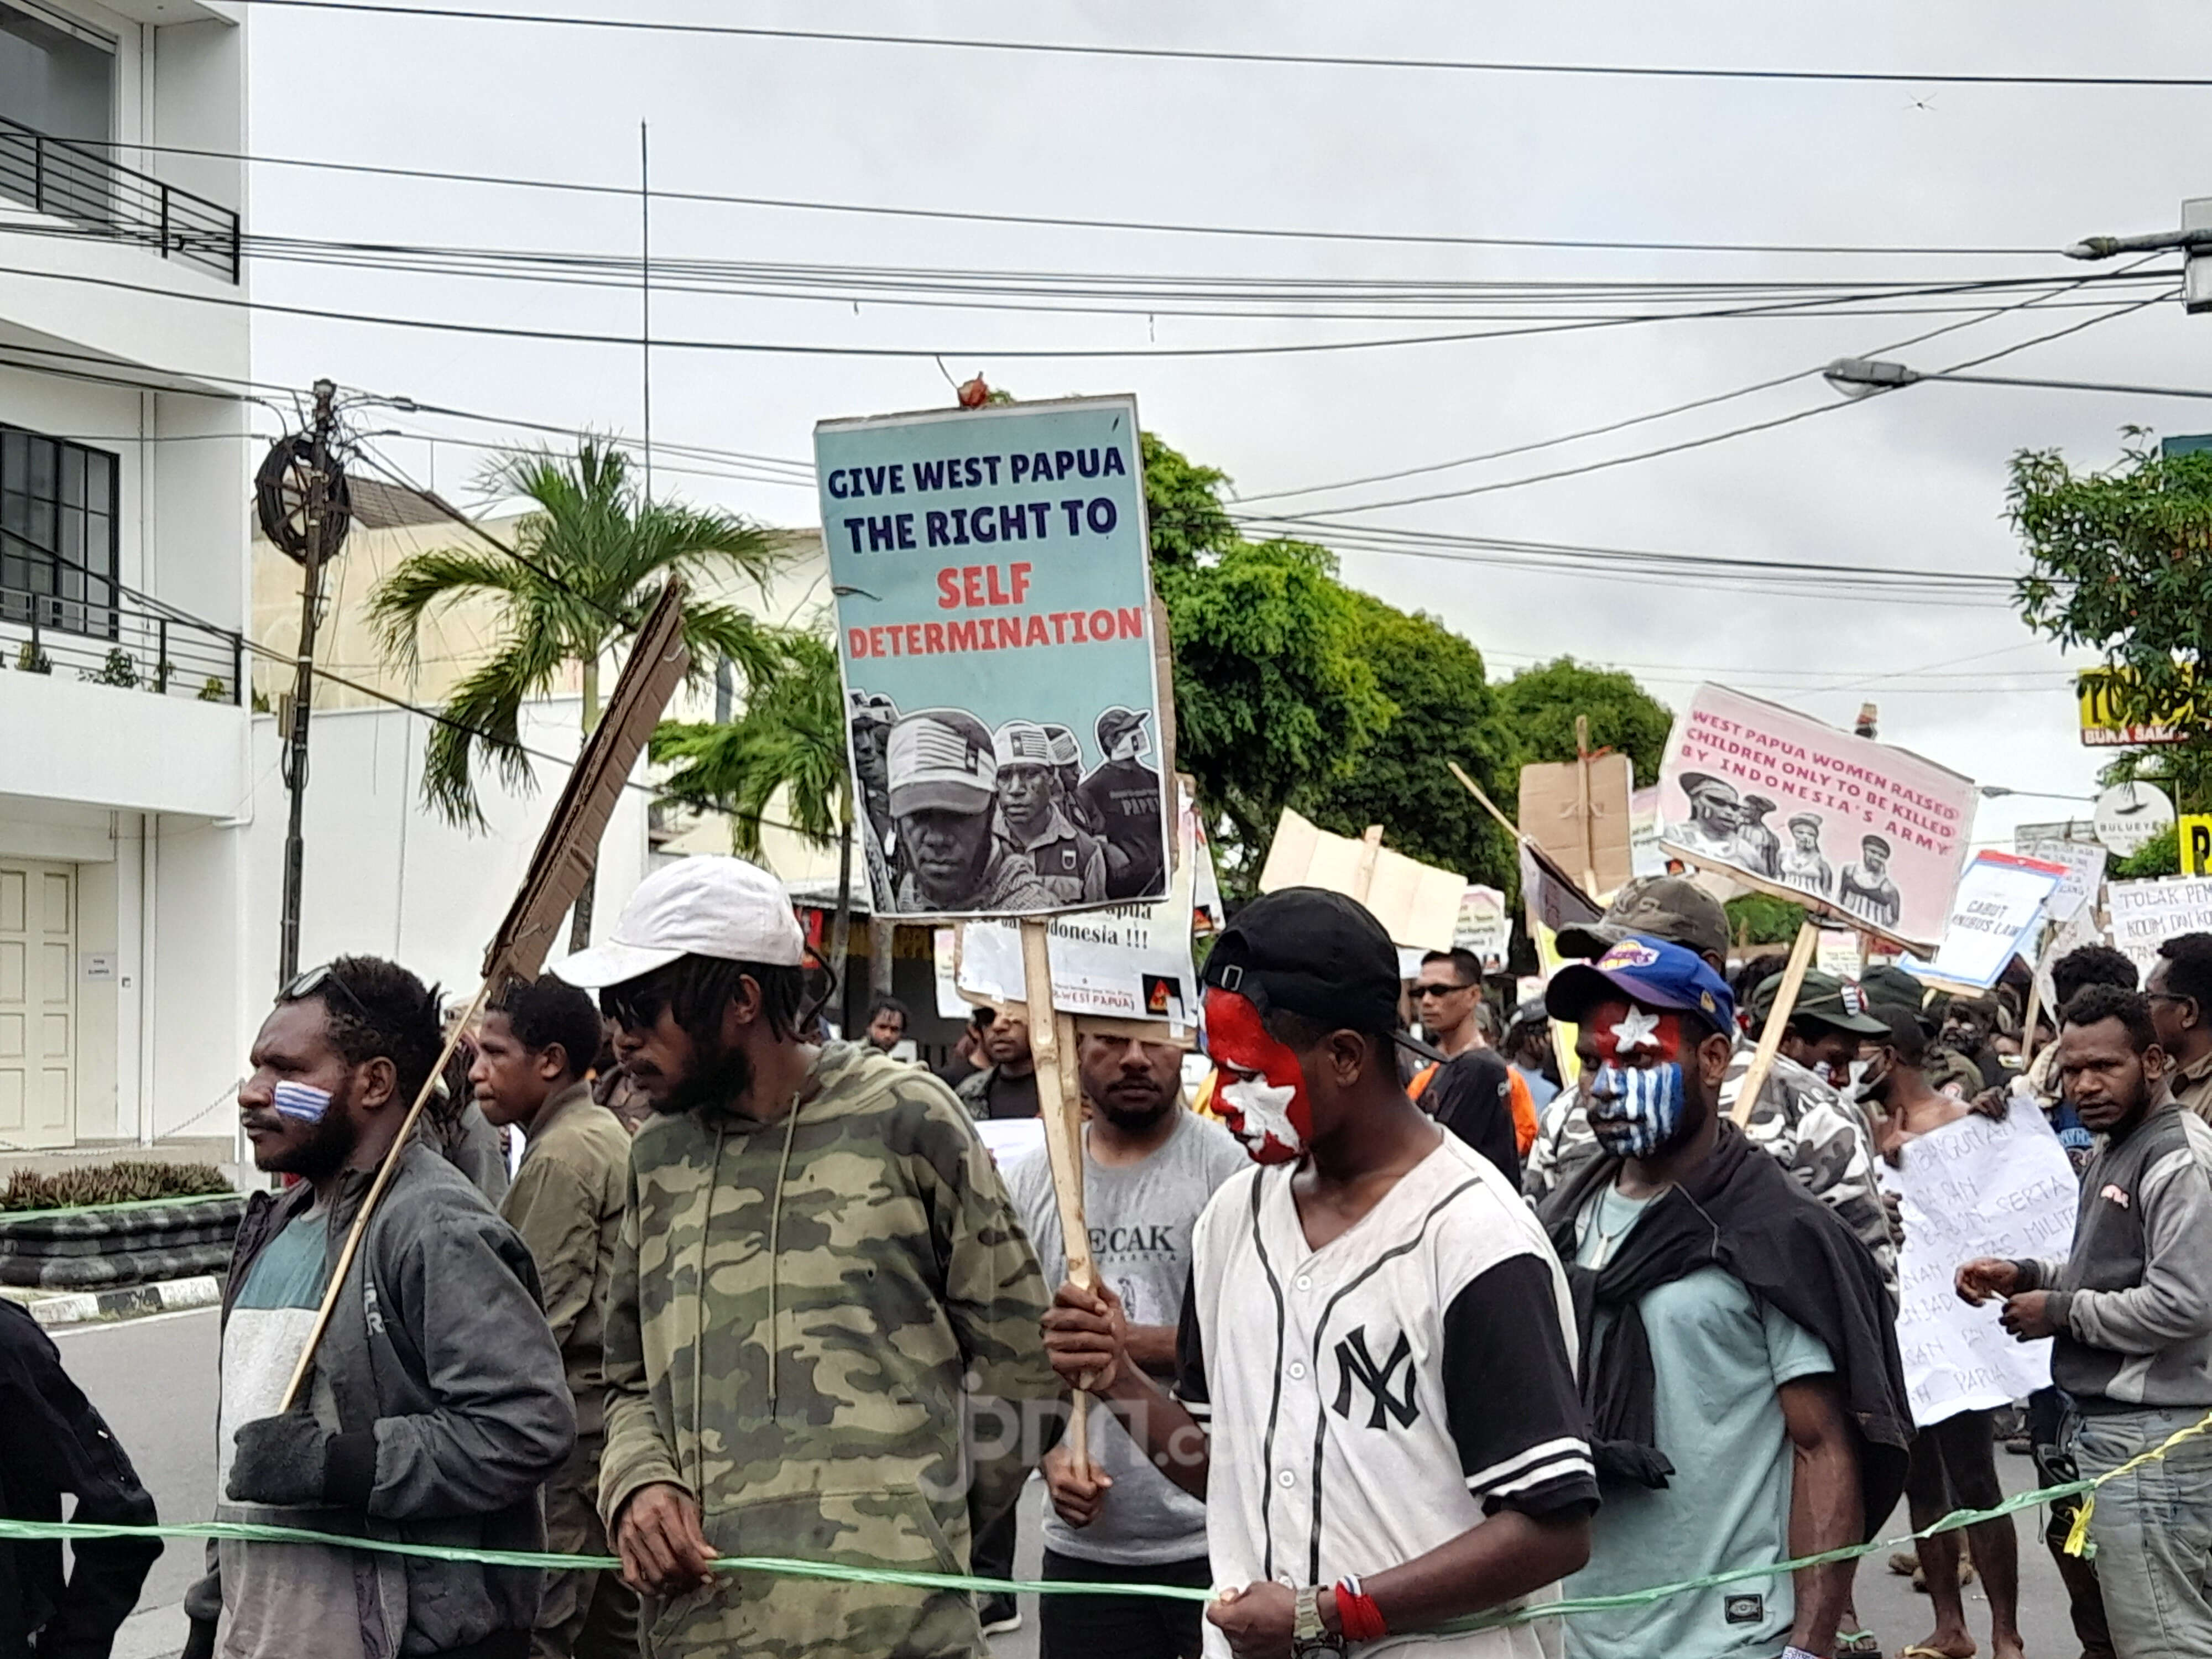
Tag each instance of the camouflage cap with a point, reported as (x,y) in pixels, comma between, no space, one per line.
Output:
(1670,908)
(1824,998)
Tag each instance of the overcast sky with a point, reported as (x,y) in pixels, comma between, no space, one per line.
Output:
(1914,479)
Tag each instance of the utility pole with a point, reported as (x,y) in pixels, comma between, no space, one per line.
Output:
(320,509)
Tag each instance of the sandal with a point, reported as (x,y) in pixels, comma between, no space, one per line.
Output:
(1857,1644)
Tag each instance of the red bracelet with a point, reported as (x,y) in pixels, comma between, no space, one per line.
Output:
(1357,1616)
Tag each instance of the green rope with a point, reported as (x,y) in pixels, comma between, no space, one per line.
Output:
(785,1567)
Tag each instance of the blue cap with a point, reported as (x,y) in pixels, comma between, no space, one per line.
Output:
(1649,971)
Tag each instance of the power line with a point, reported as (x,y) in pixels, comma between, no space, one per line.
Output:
(1204,55)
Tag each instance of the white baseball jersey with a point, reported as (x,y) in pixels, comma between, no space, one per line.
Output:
(1374,1398)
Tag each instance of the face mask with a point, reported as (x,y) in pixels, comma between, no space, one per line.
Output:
(302,1101)
(1636,1110)
(1262,1091)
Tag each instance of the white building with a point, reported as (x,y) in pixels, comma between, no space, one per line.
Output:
(124,747)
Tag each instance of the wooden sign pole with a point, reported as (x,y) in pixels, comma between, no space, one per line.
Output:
(1582,804)
(1777,1021)
(1052,1046)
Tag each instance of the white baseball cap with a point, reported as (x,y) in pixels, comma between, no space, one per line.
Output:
(708,906)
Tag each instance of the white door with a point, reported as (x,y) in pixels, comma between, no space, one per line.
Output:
(37,1004)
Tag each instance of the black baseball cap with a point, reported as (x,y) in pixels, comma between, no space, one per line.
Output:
(1317,954)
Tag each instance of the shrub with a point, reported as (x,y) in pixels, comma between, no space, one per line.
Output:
(110,1183)
(31,660)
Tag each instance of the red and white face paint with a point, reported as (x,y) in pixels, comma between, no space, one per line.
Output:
(1261,1089)
(1638,1097)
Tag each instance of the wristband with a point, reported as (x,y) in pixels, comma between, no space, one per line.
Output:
(1356,1616)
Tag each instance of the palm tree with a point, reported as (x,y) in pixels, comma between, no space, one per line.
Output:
(593,553)
(790,737)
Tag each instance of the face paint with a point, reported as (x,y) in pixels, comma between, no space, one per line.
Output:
(1262,1091)
(1639,1096)
(302,1101)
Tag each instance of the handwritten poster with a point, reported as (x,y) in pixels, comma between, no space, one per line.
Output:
(1974,1188)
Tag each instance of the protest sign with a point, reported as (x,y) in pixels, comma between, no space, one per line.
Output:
(944,952)
(1577,810)
(1974,1188)
(1999,904)
(2085,873)
(1645,858)
(1417,903)
(1838,953)
(1484,926)
(1869,833)
(996,630)
(2146,912)
(1129,962)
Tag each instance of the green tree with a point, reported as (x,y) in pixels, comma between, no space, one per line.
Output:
(1539,706)
(1763,919)
(789,741)
(594,554)
(2120,562)
(1444,709)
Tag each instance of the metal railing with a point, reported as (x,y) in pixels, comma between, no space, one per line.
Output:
(73,181)
(123,643)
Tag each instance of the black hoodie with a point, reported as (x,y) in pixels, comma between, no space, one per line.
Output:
(1739,1211)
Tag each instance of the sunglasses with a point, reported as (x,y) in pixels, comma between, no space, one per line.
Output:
(318,979)
(1439,990)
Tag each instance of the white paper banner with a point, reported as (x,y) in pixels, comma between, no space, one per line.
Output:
(2145,914)
(2085,873)
(1998,905)
(1484,926)
(1974,1188)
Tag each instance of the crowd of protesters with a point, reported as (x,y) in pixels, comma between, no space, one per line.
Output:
(1402,1332)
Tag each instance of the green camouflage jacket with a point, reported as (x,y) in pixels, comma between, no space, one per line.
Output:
(804,1312)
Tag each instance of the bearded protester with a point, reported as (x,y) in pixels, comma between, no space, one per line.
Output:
(2130,1307)
(567,1203)
(818,1278)
(1954,1459)
(435,1406)
(1149,1167)
(1746,1400)
(1374,1304)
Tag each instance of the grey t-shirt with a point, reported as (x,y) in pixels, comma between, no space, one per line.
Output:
(1140,1216)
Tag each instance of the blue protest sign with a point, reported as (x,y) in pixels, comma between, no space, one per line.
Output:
(995,625)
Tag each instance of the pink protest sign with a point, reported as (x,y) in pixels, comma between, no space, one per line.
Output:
(1871,834)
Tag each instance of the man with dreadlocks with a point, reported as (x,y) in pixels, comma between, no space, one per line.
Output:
(819,1278)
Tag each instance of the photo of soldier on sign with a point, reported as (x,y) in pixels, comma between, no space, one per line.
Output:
(995,627)
(1869,833)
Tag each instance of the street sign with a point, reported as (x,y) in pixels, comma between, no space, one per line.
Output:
(2101,725)
(2197,845)
(2130,814)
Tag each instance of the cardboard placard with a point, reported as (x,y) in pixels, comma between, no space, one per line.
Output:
(1417,903)
(1583,824)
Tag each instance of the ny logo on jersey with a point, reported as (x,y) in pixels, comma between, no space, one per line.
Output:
(1354,1363)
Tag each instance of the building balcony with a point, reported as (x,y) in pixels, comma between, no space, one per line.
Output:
(75,182)
(98,632)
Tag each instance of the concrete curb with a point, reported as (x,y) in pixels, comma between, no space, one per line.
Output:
(128,1302)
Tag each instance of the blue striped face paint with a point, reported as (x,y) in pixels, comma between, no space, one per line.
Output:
(1637,1111)
(302,1101)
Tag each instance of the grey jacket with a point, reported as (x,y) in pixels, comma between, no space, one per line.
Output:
(437,1343)
(2133,1302)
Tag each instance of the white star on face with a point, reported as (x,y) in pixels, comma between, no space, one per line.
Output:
(1636,1030)
(1265,1110)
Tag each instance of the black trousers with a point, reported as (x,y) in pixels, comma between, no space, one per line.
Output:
(1122,1626)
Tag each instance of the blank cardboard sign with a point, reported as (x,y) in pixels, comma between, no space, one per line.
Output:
(1418,904)
(1551,816)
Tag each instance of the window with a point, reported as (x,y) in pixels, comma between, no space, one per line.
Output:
(55,76)
(58,534)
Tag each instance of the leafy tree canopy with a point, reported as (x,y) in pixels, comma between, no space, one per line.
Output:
(1763,919)
(1539,706)
(1444,710)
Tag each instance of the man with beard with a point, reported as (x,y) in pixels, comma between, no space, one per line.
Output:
(818,1277)
(436,1406)
(1377,1333)
(1123,799)
(1748,1403)
(1954,1459)
(1149,1167)
(1070,862)
(944,784)
(567,1203)
(2131,1309)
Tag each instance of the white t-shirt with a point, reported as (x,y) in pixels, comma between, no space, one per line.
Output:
(1374,1398)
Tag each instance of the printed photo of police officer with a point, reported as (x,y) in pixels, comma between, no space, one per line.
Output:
(943,776)
(1123,797)
(1070,862)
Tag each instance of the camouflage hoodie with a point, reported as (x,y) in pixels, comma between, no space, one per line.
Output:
(802,1313)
